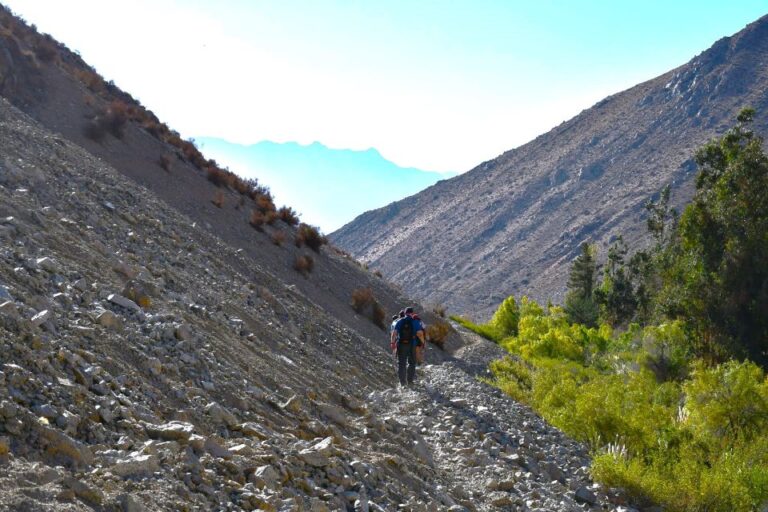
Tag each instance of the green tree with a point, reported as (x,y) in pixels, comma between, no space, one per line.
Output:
(616,295)
(505,319)
(580,305)
(718,281)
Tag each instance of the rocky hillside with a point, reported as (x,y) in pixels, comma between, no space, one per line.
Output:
(513,224)
(147,365)
(159,353)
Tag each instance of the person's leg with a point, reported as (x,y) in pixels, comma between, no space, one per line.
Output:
(411,365)
(402,358)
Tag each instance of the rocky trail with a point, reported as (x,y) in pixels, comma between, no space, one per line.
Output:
(145,365)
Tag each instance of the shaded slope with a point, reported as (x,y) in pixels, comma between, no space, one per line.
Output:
(513,224)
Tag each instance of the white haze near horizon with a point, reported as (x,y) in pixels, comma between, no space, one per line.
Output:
(433,85)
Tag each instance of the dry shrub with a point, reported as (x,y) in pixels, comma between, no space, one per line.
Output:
(90,79)
(288,215)
(378,314)
(264,202)
(361,299)
(439,310)
(218,199)
(257,220)
(437,333)
(271,217)
(365,303)
(304,264)
(46,49)
(94,130)
(310,236)
(278,238)
(165,163)
(116,117)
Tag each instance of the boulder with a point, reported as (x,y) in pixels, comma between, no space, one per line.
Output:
(220,415)
(123,302)
(41,317)
(135,464)
(584,495)
(171,431)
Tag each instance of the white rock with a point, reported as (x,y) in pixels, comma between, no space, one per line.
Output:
(123,302)
(41,317)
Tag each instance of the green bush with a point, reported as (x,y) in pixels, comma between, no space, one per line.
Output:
(696,439)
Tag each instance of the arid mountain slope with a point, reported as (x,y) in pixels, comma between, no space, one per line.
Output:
(513,224)
(148,365)
(60,91)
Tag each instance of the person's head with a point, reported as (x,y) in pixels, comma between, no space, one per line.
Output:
(402,313)
(409,311)
(395,317)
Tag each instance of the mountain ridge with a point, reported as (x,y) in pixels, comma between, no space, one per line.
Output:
(512,224)
(316,176)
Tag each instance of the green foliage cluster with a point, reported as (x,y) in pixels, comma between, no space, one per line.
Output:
(669,429)
(487,331)
(658,359)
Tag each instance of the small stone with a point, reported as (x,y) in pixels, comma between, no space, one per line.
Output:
(46,264)
(584,495)
(130,504)
(109,320)
(268,474)
(220,414)
(135,464)
(123,302)
(5,294)
(172,431)
(213,446)
(84,491)
(41,317)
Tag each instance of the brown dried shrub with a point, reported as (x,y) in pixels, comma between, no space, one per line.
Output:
(439,310)
(361,299)
(218,199)
(378,314)
(278,238)
(115,118)
(46,49)
(257,220)
(304,264)
(165,162)
(271,217)
(264,202)
(437,333)
(310,236)
(288,215)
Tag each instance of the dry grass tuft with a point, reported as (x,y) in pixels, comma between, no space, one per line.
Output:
(309,236)
(257,220)
(304,264)
(288,215)
(165,163)
(438,332)
(218,199)
(278,238)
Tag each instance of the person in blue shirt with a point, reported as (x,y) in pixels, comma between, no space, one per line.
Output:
(408,334)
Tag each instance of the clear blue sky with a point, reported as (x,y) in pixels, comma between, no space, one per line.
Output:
(435,85)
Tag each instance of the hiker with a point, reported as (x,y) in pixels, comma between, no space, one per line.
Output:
(407,335)
(392,340)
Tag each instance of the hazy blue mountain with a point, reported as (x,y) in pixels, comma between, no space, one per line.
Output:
(329,187)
